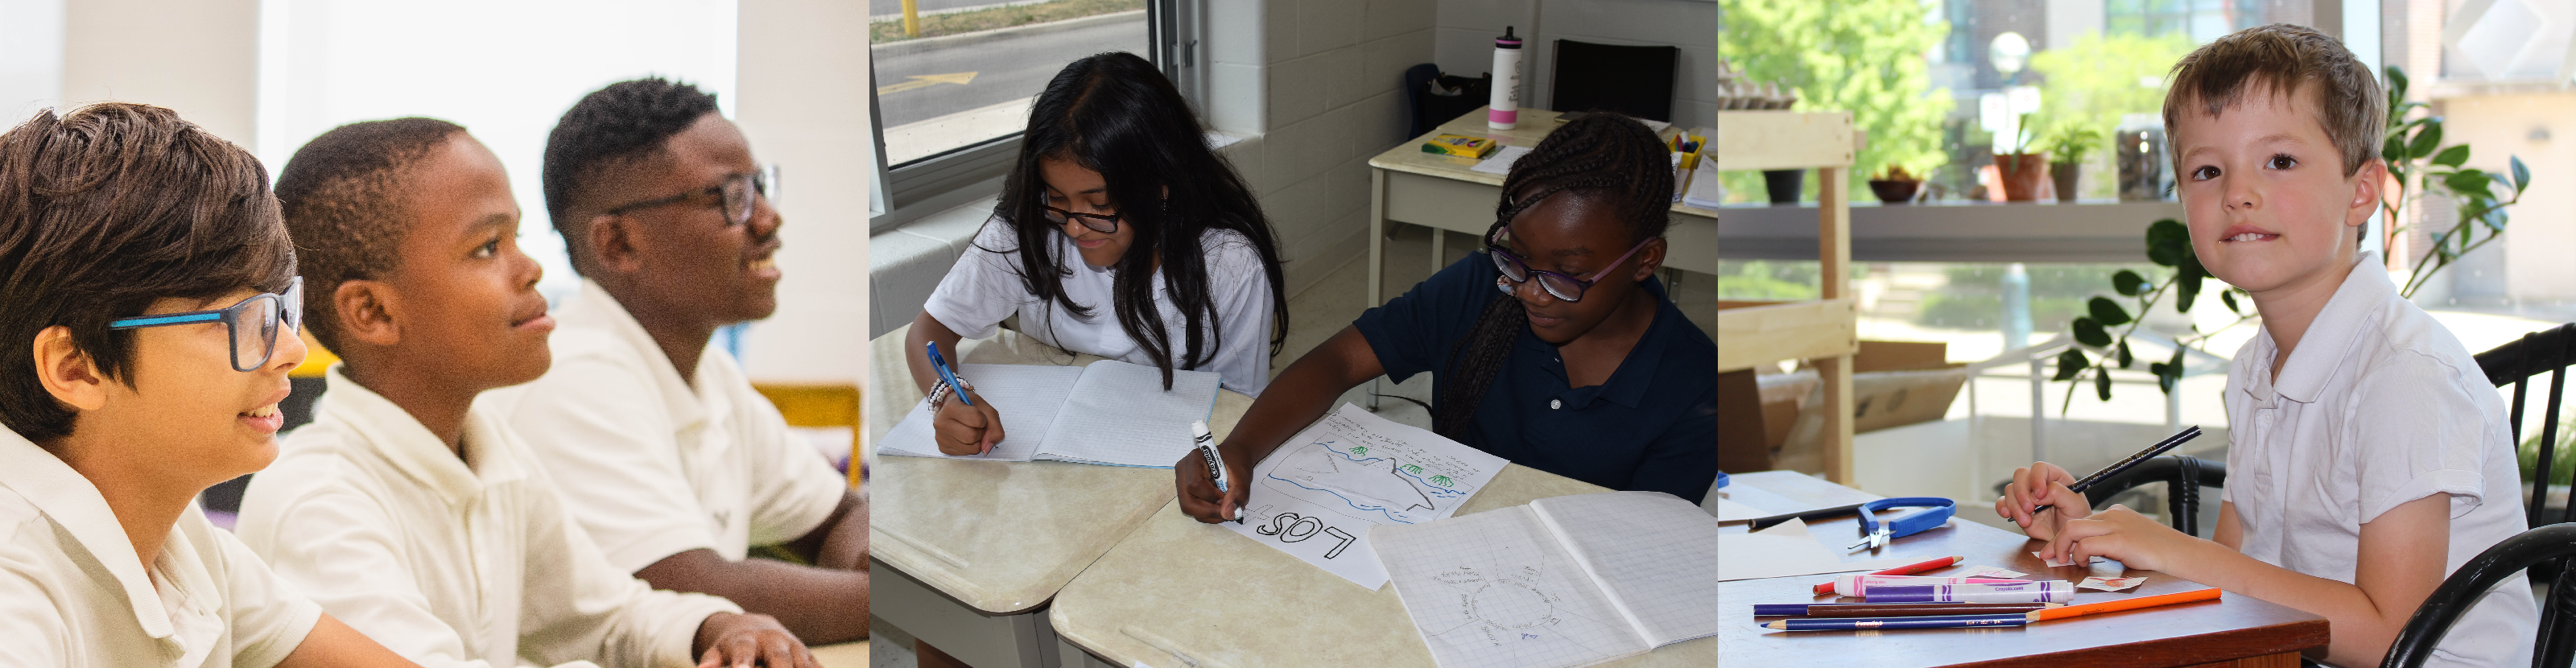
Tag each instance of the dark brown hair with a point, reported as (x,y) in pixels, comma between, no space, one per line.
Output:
(2284,60)
(105,210)
(341,195)
(1609,158)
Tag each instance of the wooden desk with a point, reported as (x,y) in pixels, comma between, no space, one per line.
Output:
(853,654)
(1407,185)
(2234,631)
(1180,593)
(977,548)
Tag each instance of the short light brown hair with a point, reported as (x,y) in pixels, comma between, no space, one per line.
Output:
(2285,60)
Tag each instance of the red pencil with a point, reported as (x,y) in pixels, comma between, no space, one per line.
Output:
(1827,587)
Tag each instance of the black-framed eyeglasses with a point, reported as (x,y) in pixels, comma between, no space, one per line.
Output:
(252,325)
(1104,223)
(733,197)
(1563,286)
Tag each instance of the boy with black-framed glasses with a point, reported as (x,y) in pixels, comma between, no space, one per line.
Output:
(148,349)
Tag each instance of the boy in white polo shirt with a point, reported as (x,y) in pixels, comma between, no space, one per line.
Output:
(683,467)
(420,519)
(147,284)
(2369,457)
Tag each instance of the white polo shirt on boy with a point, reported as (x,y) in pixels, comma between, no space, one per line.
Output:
(72,592)
(2379,405)
(664,466)
(984,288)
(452,563)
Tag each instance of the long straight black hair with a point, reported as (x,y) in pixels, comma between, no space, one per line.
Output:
(1114,113)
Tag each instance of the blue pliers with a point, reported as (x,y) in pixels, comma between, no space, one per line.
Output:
(1875,534)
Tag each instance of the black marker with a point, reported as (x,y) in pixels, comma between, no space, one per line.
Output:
(1216,466)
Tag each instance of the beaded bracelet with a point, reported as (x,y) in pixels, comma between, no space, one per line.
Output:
(940,392)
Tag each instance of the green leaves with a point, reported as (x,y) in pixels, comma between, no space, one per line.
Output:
(2427,137)
(2071,363)
(2102,384)
(2396,85)
(2125,359)
(2228,297)
(2521,174)
(2129,283)
(2090,333)
(2168,242)
(2107,312)
(2187,282)
(2168,372)
(2455,156)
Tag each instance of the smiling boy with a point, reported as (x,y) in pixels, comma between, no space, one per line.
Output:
(2369,457)
(148,335)
(683,465)
(422,520)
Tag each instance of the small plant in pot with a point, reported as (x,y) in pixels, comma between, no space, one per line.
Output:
(1896,186)
(2066,150)
(2022,173)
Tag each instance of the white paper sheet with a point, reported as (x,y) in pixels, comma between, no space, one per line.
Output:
(1650,551)
(1027,395)
(1730,511)
(1496,590)
(1119,414)
(1501,161)
(1785,550)
(1317,495)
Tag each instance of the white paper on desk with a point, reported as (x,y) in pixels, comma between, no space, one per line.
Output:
(1730,511)
(1119,414)
(1317,495)
(1497,590)
(1786,550)
(1027,395)
(1501,162)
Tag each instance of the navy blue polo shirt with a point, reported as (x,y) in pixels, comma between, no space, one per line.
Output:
(1652,426)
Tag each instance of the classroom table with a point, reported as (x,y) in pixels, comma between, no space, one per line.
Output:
(1181,593)
(968,553)
(2235,630)
(852,654)
(1407,185)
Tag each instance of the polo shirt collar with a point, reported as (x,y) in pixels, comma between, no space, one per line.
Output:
(2321,348)
(75,505)
(392,433)
(679,400)
(1636,373)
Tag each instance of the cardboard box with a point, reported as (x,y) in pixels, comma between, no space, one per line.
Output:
(1771,421)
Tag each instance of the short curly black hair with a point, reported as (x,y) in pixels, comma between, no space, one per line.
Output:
(613,126)
(341,194)
(105,210)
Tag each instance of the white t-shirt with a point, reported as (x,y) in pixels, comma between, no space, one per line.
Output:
(985,287)
(73,594)
(2379,405)
(452,563)
(659,465)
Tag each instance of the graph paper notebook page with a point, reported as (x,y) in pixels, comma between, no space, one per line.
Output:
(1107,412)
(1317,495)
(1510,588)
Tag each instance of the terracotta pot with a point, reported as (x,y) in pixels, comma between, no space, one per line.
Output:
(2024,174)
(1895,192)
(2064,174)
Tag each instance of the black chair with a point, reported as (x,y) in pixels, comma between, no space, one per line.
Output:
(2555,646)
(1632,80)
(2551,350)
(1429,110)
(2184,475)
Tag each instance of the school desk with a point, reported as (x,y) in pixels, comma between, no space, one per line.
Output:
(2236,630)
(1178,593)
(966,554)
(852,654)
(1407,185)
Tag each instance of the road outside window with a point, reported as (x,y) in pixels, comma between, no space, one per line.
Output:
(968,72)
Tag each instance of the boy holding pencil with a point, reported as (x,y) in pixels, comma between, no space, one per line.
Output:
(2369,455)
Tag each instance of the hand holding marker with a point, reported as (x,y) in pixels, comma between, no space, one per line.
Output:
(1216,465)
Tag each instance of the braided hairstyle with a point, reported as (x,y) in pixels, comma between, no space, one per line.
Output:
(1608,158)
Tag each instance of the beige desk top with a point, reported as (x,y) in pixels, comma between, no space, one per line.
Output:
(1001,536)
(1533,126)
(1178,587)
(853,654)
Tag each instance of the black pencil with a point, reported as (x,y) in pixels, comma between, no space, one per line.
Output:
(2151,452)
(1820,513)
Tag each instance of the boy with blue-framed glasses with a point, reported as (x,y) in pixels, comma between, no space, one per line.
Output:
(149,287)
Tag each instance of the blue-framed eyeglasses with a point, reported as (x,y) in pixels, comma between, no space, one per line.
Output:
(253,325)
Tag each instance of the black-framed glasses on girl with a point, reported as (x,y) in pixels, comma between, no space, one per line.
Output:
(1104,223)
(1563,286)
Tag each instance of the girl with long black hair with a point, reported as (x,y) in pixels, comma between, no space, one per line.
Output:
(1554,347)
(1119,233)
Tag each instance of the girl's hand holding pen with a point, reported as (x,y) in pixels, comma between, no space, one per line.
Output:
(2042,484)
(1198,496)
(967,430)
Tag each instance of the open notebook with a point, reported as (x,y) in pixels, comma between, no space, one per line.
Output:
(1107,412)
(1562,582)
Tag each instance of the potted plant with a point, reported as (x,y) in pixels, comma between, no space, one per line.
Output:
(1896,186)
(2021,172)
(2067,149)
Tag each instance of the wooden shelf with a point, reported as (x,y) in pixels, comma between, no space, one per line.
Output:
(2084,231)
(1822,331)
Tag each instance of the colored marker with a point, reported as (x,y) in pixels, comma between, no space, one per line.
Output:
(1206,443)
(1827,587)
(1872,623)
(1894,609)
(1861,585)
(945,375)
(2210,594)
(2045,591)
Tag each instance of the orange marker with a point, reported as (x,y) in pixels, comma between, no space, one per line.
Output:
(2210,594)
(1827,587)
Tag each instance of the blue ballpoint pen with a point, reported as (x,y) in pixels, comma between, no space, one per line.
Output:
(946,376)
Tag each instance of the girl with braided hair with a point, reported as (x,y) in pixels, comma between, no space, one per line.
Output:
(1554,347)
(1119,233)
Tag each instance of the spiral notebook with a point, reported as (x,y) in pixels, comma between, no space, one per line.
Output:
(1562,582)
(1108,412)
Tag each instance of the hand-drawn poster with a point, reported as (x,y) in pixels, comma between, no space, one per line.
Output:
(1316,496)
